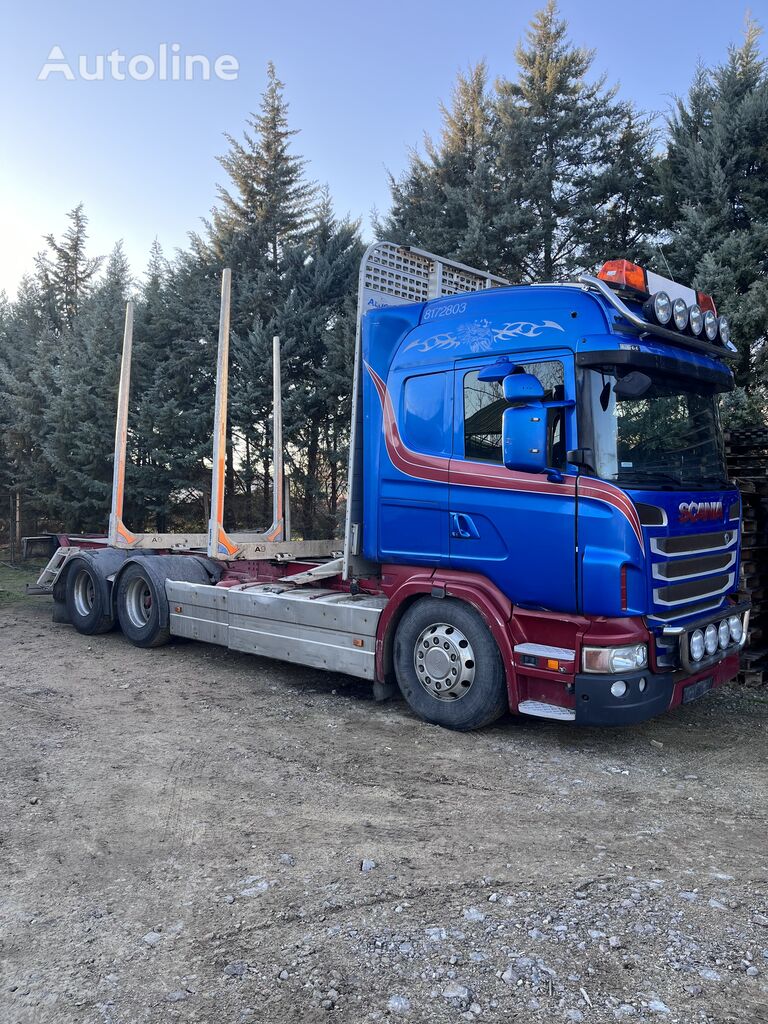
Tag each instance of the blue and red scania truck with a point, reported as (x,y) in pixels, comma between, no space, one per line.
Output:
(539,517)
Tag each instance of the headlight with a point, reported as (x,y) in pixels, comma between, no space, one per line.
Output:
(724,633)
(710,325)
(710,639)
(724,329)
(697,645)
(612,660)
(660,306)
(695,320)
(680,314)
(734,625)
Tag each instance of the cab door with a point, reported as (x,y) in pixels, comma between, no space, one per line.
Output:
(517,529)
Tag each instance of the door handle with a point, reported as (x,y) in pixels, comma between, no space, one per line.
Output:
(463,527)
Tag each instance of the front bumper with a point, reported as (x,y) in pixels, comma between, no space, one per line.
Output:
(596,705)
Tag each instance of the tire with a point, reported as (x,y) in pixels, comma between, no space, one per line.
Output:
(60,614)
(88,600)
(140,608)
(463,685)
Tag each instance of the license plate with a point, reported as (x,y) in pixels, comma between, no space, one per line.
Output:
(695,690)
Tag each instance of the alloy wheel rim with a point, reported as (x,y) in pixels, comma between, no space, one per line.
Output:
(138,602)
(444,662)
(84,593)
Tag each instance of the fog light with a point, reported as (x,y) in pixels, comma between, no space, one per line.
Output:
(724,634)
(710,325)
(697,645)
(710,638)
(734,624)
(660,306)
(642,685)
(695,320)
(619,688)
(680,314)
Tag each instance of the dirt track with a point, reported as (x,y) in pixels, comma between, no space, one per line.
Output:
(183,830)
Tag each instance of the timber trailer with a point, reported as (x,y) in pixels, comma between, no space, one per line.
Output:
(539,518)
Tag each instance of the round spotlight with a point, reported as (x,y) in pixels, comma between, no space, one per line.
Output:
(724,330)
(680,314)
(710,325)
(619,688)
(695,320)
(697,645)
(710,639)
(660,306)
(734,624)
(724,634)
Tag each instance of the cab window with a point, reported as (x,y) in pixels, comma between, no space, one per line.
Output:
(484,404)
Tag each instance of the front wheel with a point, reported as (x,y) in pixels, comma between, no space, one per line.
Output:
(448,665)
(139,603)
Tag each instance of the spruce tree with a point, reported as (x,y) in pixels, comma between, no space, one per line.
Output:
(81,416)
(270,187)
(560,133)
(66,272)
(716,196)
(446,201)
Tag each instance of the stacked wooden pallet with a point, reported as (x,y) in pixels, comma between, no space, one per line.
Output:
(747,455)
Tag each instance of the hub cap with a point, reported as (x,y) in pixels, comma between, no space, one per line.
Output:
(83,593)
(444,661)
(138,602)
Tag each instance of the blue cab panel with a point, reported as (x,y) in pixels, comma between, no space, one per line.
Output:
(438,494)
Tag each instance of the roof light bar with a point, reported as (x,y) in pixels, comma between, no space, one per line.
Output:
(667,303)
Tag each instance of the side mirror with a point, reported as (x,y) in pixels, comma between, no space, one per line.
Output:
(524,438)
(522,387)
(632,385)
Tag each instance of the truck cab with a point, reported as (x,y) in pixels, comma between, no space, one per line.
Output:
(539,518)
(562,443)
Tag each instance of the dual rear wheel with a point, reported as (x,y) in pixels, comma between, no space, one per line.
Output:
(92,607)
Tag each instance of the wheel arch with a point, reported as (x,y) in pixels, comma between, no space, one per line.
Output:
(493,607)
(159,567)
(105,563)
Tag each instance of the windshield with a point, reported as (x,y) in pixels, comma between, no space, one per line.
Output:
(667,437)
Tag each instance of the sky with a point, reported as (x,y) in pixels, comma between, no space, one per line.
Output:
(363,82)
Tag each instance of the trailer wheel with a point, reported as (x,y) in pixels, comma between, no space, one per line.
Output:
(448,665)
(138,608)
(87,599)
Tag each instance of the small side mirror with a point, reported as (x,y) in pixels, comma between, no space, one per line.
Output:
(633,385)
(522,387)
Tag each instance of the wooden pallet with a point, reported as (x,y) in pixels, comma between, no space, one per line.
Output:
(747,457)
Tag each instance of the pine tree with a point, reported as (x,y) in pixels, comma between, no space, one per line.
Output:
(81,416)
(271,191)
(559,136)
(29,354)
(65,272)
(445,202)
(716,193)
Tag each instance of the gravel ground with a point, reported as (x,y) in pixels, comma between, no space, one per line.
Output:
(189,834)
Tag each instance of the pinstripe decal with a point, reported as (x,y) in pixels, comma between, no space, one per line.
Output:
(465,473)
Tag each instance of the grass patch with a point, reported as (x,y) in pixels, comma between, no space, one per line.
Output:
(13,581)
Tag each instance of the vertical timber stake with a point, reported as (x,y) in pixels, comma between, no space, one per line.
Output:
(219,544)
(119,536)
